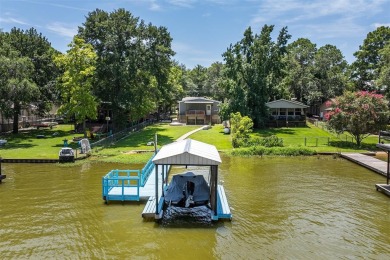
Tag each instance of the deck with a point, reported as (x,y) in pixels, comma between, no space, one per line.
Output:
(369,162)
(130,188)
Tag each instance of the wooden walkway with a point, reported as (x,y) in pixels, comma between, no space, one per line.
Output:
(369,162)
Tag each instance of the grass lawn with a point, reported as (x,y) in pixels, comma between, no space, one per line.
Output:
(318,138)
(27,145)
(134,148)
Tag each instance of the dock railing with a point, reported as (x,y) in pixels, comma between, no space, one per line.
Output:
(146,171)
(121,185)
(124,185)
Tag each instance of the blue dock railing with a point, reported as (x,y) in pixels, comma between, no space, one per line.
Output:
(121,185)
(124,185)
(147,170)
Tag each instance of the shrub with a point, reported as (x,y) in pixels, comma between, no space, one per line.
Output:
(241,127)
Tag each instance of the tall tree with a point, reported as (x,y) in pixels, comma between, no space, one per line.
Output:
(38,50)
(367,67)
(254,67)
(330,73)
(133,62)
(214,81)
(198,76)
(17,87)
(300,66)
(76,83)
(384,77)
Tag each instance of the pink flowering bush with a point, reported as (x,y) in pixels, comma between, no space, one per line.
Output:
(358,113)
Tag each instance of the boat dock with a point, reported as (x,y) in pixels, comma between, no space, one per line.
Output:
(373,164)
(367,161)
(130,185)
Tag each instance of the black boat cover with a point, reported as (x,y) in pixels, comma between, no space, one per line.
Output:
(185,185)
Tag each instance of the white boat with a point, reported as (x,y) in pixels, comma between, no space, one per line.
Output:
(66,155)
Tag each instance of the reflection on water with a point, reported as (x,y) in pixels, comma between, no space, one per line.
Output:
(187,217)
(283,208)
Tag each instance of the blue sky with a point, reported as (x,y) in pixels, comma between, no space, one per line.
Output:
(203,29)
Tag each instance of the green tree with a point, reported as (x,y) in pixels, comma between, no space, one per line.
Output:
(38,50)
(198,76)
(76,83)
(330,73)
(384,76)
(300,78)
(214,81)
(367,67)
(254,68)
(133,64)
(358,113)
(17,88)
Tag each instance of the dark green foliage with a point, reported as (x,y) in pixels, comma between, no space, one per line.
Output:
(280,151)
(367,66)
(269,141)
(254,68)
(32,55)
(133,65)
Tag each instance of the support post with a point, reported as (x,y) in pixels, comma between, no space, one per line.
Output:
(156,188)
(388,161)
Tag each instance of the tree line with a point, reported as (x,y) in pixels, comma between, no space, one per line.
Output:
(118,60)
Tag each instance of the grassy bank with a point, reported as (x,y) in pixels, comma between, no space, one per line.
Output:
(135,149)
(43,143)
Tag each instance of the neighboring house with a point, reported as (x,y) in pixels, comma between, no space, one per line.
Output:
(198,111)
(26,118)
(325,108)
(286,113)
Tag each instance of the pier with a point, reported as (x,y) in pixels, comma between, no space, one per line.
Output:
(374,164)
(367,161)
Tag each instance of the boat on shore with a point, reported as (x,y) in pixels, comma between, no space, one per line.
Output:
(66,154)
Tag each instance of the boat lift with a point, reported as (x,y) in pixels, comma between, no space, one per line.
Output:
(189,152)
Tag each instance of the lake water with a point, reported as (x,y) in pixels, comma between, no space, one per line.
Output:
(283,208)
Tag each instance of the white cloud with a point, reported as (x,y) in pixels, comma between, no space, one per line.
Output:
(182,3)
(376,25)
(186,49)
(326,19)
(63,29)
(12,21)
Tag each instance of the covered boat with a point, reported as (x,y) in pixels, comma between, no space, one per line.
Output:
(66,155)
(187,190)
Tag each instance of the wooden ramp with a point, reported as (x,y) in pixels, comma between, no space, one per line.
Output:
(369,162)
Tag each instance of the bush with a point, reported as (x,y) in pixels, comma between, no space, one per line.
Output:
(269,141)
(241,127)
(261,150)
